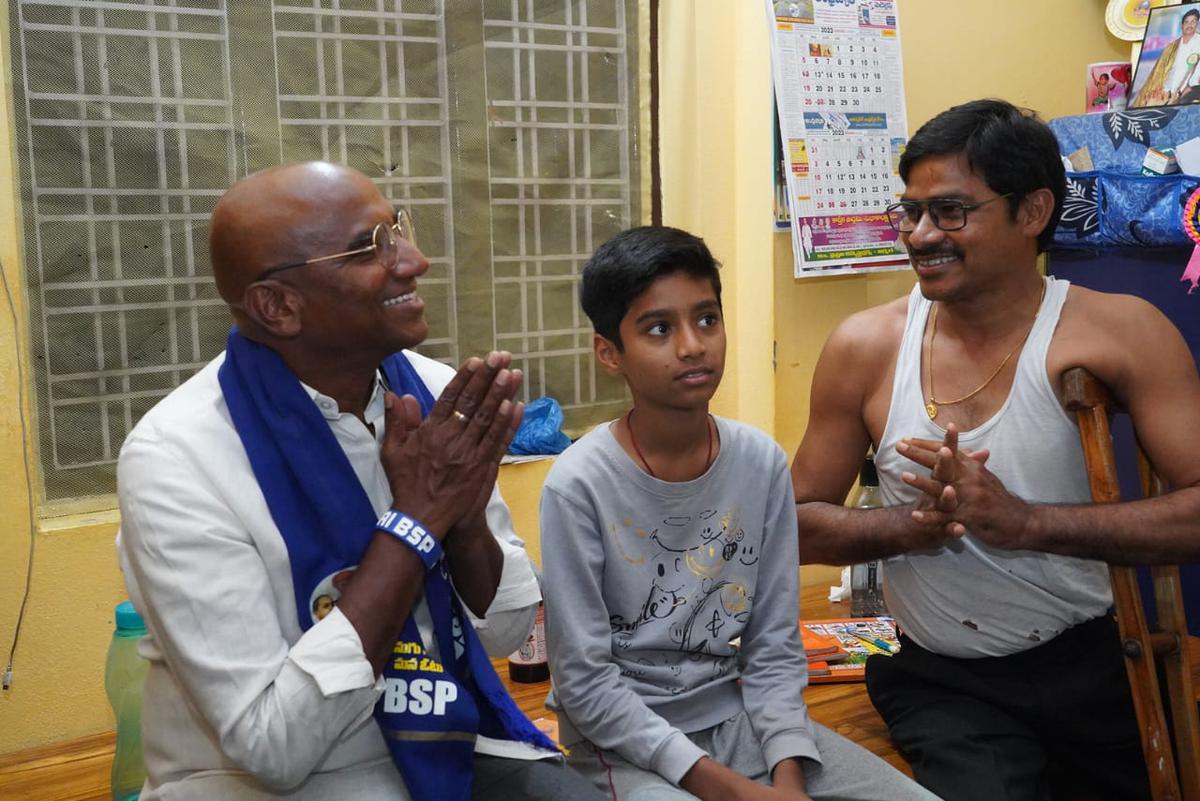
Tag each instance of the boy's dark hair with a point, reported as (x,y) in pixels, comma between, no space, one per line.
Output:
(625,265)
(1010,148)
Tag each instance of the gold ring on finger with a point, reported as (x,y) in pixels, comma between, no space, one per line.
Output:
(459,416)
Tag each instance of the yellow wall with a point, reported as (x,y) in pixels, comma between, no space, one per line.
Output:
(716,147)
(715,117)
(521,486)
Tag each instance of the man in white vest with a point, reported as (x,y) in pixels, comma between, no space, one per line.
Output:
(1009,683)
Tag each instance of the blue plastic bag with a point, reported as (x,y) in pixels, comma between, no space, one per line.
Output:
(541,429)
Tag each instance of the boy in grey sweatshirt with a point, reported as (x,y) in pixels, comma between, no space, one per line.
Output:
(666,536)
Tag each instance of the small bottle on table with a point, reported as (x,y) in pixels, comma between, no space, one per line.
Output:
(528,665)
(866,579)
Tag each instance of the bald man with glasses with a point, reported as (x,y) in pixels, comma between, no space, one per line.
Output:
(311,528)
(1009,683)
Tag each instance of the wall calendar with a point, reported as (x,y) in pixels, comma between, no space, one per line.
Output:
(839,89)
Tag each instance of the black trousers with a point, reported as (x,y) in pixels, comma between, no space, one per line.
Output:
(1052,723)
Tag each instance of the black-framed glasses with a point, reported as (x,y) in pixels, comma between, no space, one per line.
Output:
(384,243)
(947,214)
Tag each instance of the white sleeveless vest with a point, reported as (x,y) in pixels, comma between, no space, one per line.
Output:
(968,599)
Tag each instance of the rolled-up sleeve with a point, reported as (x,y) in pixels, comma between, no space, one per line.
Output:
(332,654)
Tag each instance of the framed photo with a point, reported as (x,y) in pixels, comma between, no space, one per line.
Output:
(1168,71)
(1107,82)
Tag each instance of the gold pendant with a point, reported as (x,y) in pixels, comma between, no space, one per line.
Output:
(931,409)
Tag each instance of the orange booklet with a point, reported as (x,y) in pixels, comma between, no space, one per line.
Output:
(821,647)
(838,649)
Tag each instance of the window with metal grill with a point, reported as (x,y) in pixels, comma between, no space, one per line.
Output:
(509,128)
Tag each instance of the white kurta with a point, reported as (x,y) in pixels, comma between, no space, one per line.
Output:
(239,702)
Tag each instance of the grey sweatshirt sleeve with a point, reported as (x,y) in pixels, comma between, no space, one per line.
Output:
(587,683)
(775,670)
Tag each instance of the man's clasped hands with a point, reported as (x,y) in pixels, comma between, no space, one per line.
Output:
(961,494)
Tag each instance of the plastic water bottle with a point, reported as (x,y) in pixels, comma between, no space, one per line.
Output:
(124,675)
(866,579)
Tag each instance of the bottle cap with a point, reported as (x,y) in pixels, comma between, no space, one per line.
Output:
(128,619)
(867,476)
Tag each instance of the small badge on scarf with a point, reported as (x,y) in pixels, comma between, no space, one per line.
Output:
(327,592)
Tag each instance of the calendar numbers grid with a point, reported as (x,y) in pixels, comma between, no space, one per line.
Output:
(839,86)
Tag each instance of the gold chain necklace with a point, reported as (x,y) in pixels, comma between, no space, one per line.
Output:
(931,408)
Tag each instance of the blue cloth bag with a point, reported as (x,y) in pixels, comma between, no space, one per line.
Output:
(1115,205)
(1106,209)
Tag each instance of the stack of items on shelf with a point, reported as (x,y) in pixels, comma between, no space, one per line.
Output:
(1129,174)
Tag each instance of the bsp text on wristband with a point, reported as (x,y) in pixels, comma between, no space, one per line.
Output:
(412,534)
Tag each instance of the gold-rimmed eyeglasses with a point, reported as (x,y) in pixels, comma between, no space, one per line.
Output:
(384,243)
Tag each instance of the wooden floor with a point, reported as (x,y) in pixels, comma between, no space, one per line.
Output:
(78,770)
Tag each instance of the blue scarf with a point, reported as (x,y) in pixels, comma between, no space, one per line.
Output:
(431,710)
